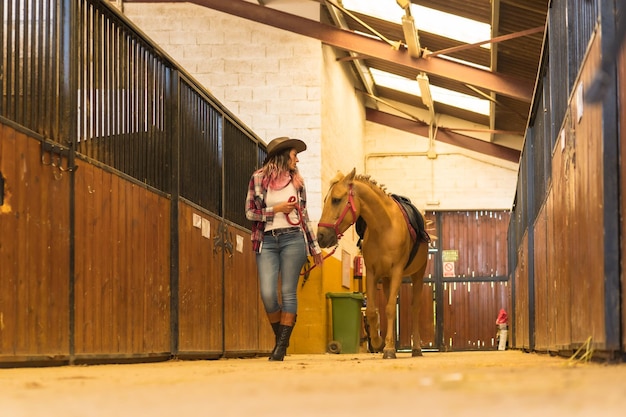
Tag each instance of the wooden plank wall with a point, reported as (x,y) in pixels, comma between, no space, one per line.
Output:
(200,294)
(543,319)
(568,247)
(122,272)
(520,331)
(246,329)
(34,251)
(122,305)
(558,242)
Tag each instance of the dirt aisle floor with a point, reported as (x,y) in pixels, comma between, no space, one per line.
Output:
(509,383)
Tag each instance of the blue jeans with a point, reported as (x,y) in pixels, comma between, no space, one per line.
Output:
(285,254)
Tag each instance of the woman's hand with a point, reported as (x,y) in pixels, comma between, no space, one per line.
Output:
(285,207)
(318,259)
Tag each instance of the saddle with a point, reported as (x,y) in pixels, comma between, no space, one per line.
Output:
(415,222)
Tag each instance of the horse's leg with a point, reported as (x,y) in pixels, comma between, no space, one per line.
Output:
(416,304)
(389,352)
(371,314)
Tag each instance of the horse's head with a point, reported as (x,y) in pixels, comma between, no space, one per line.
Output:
(339,211)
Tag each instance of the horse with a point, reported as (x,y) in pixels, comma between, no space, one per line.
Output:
(390,250)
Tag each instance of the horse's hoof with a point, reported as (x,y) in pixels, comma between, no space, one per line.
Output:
(416,352)
(377,347)
(389,354)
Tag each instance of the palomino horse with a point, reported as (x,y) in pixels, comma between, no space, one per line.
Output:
(387,246)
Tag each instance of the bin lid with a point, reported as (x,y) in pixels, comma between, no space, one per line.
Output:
(354,295)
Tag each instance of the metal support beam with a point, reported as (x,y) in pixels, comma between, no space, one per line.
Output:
(509,86)
(443,135)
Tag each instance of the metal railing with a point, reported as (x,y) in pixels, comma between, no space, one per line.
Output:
(82,76)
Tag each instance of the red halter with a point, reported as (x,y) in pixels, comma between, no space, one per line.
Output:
(349,206)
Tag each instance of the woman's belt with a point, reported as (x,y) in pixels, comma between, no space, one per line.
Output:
(282,231)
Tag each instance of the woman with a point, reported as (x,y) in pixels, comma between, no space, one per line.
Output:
(276,203)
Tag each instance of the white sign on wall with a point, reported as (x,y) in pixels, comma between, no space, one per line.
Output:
(448,269)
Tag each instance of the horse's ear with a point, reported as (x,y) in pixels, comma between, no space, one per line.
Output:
(350,176)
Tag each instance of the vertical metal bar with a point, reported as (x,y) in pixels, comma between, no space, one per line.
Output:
(81,65)
(133,108)
(97,82)
(440,343)
(38,112)
(142,112)
(173,100)
(125,76)
(68,129)
(11,48)
(107,112)
(19,88)
(528,208)
(27,59)
(117,110)
(611,192)
(3,54)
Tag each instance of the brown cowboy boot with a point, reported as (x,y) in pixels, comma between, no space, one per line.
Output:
(274,319)
(287,322)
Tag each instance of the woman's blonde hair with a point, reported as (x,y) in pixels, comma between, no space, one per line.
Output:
(277,166)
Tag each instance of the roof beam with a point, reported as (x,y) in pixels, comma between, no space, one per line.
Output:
(443,135)
(509,86)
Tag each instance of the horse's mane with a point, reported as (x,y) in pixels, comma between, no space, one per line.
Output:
(368,179)
(360,177)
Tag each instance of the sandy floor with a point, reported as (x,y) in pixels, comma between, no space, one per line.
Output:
(510,383)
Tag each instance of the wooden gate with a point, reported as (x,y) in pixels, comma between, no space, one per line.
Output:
(465,284)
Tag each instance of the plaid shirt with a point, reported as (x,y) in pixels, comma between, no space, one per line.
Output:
(259,214)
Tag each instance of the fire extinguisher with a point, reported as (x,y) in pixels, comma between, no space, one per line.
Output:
(357,271)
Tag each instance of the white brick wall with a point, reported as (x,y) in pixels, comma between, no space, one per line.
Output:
(457,179)
(279,83)
(269,78)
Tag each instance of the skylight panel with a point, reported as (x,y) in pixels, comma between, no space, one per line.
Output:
(440,95)
(426,19)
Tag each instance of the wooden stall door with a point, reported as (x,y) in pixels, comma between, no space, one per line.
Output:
(245,327)
(34,251)
(122,278)
(200,298)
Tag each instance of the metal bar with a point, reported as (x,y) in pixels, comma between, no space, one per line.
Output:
(27,75)
(439,289)
(493,40)
(445,136)
(11,63)
(611,174)
(529,155)
(174,102)
(3,63)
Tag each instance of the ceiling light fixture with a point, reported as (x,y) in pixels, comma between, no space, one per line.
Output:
(410,36)
(424,83)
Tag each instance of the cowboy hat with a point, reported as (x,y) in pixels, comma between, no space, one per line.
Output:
(280,144)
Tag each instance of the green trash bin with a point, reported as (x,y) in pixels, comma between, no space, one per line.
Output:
(346,313)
